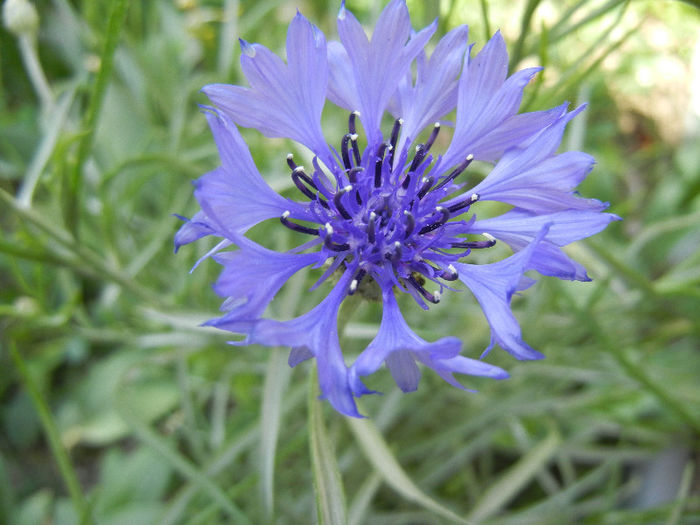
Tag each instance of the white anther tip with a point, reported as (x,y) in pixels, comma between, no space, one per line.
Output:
(439,209)
(290,156)
(347,188)
(437,295)
(397,244)
(470,157)
(489,237)
(372,215)
(353,285)
(474,197)
(452,269)
(400,121)
(354,137)
(297,169)
(436,125)
(357,113)
(286,214)
(329,228)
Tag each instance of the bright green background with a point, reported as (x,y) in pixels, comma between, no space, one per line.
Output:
(118,409)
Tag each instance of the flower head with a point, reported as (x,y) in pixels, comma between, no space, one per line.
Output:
(383,208)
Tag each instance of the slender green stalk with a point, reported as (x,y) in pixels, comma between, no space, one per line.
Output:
(328,486)
(524,29)
(82,254)
(115,22)
(52,435)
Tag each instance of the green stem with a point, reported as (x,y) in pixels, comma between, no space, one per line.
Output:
(82,254)
(114,25)
(52,434)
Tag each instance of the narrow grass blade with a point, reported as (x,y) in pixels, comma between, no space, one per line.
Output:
(144,433)
(65,466)
(510,484)
(382,459)
(276,379)
(328,486)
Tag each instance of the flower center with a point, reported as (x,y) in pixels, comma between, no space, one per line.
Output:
(385,215)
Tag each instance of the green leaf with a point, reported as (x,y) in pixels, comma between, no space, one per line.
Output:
(328,486)
(515,478)
(382,459)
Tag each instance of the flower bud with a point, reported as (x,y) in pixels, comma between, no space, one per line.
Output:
(20,17)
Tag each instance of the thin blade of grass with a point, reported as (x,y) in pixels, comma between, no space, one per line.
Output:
(382,459)
(59,452)
(150,438)
(515,478)
(328,486)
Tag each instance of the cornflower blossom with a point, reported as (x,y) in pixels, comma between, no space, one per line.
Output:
(384,210)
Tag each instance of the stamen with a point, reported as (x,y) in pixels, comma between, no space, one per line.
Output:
(431,140)
(477,245)
(290,162)
(465,203)
(455,173)
(430,297)
(410,224)
(450,274)
(298,176)
(383,147)
(351,122)
(418,158)
(370,227)
(345,152)
(339,205)
(398,252)
(427,184)
(394,138)
(356,281)
(444,217)
(352,174)
(296,227)
(335,247)
(355,149)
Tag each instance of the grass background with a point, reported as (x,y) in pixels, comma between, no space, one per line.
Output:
(118,409)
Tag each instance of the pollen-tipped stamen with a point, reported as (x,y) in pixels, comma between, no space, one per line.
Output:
(410,224)
(356,281)
(339,205)
(465,203)
(454,173)
(431,140)
(394,139)
(430,297)
(296,227)
(477,245)
(444,217)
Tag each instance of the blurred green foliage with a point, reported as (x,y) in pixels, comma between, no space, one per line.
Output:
(117,408)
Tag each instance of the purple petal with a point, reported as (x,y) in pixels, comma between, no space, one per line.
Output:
(377,65)
(195,228)
(315,332)
(234,196)
(398,346)
(493,285)
(435,91)
(283,100)
(252,276)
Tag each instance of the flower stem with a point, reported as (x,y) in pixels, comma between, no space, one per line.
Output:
(52,434)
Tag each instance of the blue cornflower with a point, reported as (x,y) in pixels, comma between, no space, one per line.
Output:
(383,210)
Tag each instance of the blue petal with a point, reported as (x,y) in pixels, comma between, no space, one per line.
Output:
(434,93)
(493,285)
(283,100)
(235,197)
(251,278)
(398,346)
(377,65)
(315,332)
(195,228)
(518,228)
